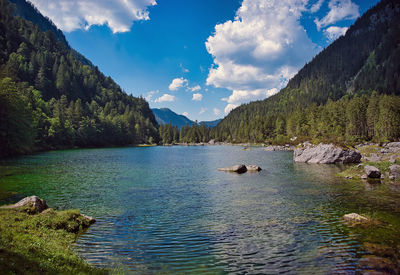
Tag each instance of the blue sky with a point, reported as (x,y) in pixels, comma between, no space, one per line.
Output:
(201,58)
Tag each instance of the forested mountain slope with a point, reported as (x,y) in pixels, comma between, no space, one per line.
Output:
(51,96)
(331,97)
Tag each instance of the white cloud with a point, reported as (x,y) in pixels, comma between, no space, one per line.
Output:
(150,95)
(246,95)
(259,50)
(230,107)
(165,97)
(71,15)
(216,111)
(314,8)
(184,70)
(197,97)
(186,114)
(334,32)
(178,83)
(339,10)
(202,111)
(195,88)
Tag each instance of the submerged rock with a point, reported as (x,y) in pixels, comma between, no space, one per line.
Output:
(355,218)
(372,172)
(325,154)
(253,168)
(34,204)
(240,168)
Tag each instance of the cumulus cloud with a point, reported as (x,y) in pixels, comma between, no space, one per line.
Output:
(259,50)
(216,111)
(195,88)
(71,15)
(186,114)
(178,83)
(339,10)
(314,8)
(202,110)
(334,32)
(165,98)
(230,107)
(197,97)
(150,95)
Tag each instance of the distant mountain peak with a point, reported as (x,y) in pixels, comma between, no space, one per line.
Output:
(166,116)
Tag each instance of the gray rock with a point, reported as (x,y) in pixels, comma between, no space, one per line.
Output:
(240,168)
(393,144)
(392,159)
(91,220)
(325,154)
(395,171)
(35,203)
(372,172)
(364,177)
(391,177)
(354,217)
(253,168)
(374,158)
(211,142)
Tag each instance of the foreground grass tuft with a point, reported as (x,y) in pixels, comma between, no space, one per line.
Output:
(41,243)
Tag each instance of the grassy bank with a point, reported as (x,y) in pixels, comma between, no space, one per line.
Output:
(41,243)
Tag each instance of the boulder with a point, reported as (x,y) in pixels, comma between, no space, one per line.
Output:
(253,168)
(240,168)
(33,203)
(364,177)
(91,220)
(393,144)
(395,171)
(325,154)
(355,218)
(372,172)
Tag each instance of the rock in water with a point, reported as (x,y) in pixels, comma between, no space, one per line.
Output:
(91,220)
(354,217)
(240,168)
(253,168)
(35,204)
(325,154)
(395,171)
(372,172)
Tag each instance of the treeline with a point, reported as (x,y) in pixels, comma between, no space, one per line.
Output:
(170,134)
(51,97)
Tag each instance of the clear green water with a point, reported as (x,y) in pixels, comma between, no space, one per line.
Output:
(168,209)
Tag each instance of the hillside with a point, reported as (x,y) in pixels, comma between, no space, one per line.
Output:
(166,116)
(53,97)
(329,98)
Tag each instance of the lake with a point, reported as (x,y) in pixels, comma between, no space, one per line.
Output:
(168,209)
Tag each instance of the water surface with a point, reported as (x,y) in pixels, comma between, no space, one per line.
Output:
(168,209)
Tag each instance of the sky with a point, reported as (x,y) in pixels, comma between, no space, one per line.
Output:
(201,58)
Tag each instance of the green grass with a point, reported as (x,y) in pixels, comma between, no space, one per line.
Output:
(356,172)
(41,243)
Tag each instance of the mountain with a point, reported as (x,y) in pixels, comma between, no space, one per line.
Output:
(166,116)
(211,124)
(333,96)
(53,97)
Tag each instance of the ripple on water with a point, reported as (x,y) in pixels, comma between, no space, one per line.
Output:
(168,210)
